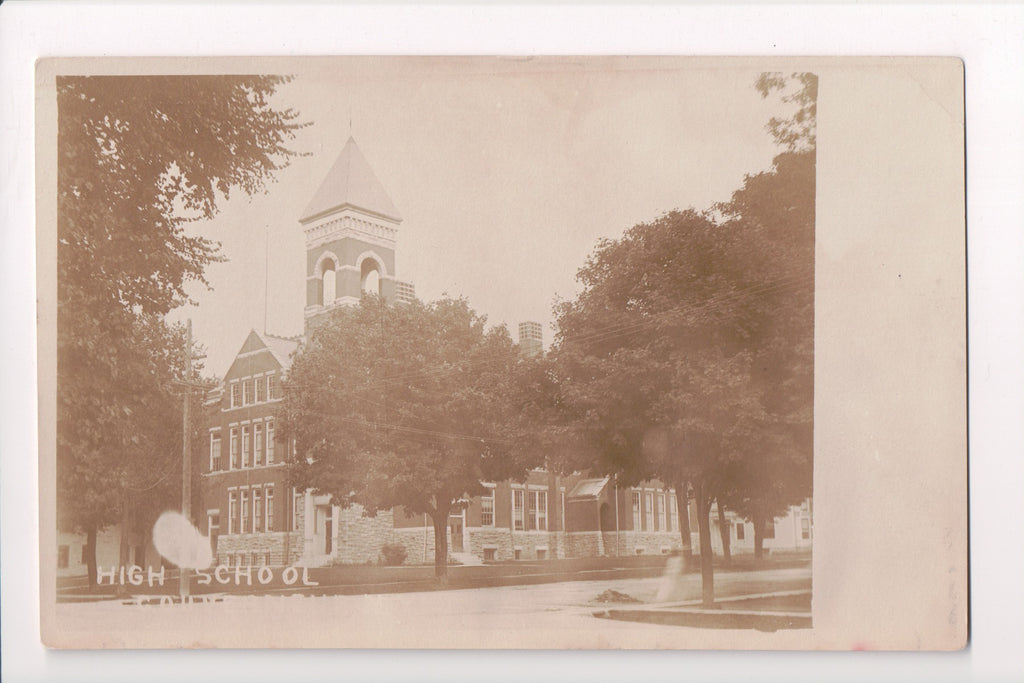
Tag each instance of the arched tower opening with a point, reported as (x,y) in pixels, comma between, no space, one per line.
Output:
(369,277)
(329,283)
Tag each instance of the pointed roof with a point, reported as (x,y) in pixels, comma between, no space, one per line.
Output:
(351,182)
(281,348)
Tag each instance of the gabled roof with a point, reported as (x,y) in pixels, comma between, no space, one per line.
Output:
(281,348)
(351,182)
(588,488)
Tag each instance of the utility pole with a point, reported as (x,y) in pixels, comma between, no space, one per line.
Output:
(186,456)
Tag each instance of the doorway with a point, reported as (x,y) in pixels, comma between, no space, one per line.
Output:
(455,526)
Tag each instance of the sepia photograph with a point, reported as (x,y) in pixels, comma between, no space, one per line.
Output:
(465,352)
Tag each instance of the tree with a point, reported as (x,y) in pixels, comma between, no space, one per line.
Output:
(405,405)
(139,158)
(654,358)
(777,209)
(688,356)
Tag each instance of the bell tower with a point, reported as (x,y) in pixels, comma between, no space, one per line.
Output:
(351,226)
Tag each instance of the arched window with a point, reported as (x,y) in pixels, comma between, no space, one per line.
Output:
(329,283)
(370,277)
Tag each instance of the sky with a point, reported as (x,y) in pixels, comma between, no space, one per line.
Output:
(506,172)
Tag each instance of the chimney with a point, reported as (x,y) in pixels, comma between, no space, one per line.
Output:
(531,339)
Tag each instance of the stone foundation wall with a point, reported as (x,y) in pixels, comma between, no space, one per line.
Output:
(584,544)
(529,542)
(646,542)
(358,538)
(276,549)
(416,550)
(483,538)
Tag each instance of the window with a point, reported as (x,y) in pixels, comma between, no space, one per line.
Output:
(63,556)
(214,451)
(487,509)
(234,448)
(538,504)
(489,554)
(269,502)
(271,387)
(232,512)
(659,521)
(257,431)
(648,510)
(673,513)
(740,531)
(213,529)
(769,528)
(236,394)
(245,513)
(246,447)
(542,553)
(257,511)
(297,510)
(261,390)
(805,528)
(270,442)
(518,521)
(636,510)
(247,392)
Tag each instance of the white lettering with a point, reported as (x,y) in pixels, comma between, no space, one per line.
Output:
(100,574)
(221,573)
(135,575)
(264,576)
(290,575)
(159,575)
(238,575)
(204,578)
(166,600)
(305,578)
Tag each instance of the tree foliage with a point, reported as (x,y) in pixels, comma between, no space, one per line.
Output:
(139,158)
(405,406)
(688,354)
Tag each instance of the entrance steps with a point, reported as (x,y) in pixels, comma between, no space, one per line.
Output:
(467,559)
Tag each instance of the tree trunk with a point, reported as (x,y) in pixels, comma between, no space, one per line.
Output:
(723,528)
(683,515)
(122,551)
(707,571)
(90,554)
(758,521)
(440,519)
